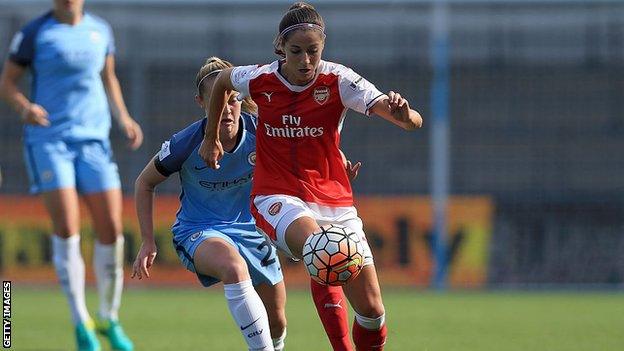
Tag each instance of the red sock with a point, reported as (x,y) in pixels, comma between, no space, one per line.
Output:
(369,340)
(331,306)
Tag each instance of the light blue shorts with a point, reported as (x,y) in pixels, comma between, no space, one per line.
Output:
(87,166)
(261,257)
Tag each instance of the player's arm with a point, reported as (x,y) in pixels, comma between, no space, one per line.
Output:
(144,189)
(396,110)
(211,149)
(30,113)
(129,126)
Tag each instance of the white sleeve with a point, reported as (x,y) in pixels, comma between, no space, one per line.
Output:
(16,42)
(357,93)
(240,77)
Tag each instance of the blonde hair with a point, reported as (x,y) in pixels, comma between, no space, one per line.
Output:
(212,66)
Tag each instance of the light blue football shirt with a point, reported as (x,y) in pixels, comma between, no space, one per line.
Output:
(209,197)
(65,63)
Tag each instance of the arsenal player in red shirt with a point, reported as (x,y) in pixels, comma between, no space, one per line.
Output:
(300,181)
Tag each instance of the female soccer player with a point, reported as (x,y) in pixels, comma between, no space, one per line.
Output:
(214,234)
(70,54)
(299,182)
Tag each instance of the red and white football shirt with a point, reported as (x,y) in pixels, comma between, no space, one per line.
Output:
(298,133)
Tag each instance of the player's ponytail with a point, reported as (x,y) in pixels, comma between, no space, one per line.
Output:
(212,67)
(299,15)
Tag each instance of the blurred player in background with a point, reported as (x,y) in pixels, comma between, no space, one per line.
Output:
(70,54)
(214,233)
(299,181)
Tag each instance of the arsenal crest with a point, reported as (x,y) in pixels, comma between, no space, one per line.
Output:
(321,95)
(275,208)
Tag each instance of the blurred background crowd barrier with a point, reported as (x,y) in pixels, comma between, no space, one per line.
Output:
(536,118)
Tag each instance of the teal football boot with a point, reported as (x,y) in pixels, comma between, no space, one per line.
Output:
(115,334)
(86,338)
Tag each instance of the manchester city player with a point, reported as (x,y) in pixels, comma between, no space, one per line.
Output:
(67,117)
(214,233)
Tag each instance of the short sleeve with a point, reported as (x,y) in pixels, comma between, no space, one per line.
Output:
(175,151)
(167,163)
(240,78)
(172,155)
(110,48)
(22,49)
(357,93)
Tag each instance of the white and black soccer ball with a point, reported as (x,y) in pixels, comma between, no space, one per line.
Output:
(334,256)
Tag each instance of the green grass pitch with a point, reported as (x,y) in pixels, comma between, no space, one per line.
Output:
(195,319)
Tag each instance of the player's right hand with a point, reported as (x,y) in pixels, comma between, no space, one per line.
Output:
(36,115)
(211,152)
(144,260)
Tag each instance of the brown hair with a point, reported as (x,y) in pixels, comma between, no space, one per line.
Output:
(298,13)
(211,66)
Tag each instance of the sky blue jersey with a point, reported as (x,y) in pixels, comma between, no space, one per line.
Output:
(65,62)
(210,197)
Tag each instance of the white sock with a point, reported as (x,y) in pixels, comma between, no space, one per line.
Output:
(278,343)
(70,270)
(249,314)
(371,323)
(108,265)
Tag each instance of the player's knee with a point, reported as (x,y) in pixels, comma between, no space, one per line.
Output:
(298,232)
(64,229)
(117,228)
(109,229)
(234,271)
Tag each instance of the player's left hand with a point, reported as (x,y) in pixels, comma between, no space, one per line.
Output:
(132,131)
(144,260)
(353,169)
(399,107)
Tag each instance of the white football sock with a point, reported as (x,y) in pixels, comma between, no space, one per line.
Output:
(249,313)
(70,269)
(108,265)
(278,343)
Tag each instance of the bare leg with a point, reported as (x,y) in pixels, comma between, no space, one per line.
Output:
(274,299)
(297,233)
(105,208)
(63,208)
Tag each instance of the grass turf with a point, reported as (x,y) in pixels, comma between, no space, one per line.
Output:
(195,319)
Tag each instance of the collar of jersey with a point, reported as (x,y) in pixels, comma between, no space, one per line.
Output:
(57,22)
(295,88)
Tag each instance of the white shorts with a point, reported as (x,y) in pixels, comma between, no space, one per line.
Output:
(274,213)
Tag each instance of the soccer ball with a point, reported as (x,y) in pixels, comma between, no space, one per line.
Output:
(334,256)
